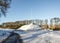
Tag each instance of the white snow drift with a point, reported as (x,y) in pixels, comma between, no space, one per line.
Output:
(29,27)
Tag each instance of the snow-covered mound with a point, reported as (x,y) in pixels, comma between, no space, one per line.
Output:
(29,27)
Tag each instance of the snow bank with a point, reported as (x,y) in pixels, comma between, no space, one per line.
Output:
(6,29)
(29,27)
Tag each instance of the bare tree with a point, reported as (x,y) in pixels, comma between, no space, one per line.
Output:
(55,21)
(46,21)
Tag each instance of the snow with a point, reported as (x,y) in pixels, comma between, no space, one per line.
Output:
(34,36)
(41,36)
(30,27)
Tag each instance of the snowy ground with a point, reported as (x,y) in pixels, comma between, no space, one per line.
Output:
(34,36)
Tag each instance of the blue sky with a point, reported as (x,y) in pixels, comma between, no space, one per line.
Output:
(32,9)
